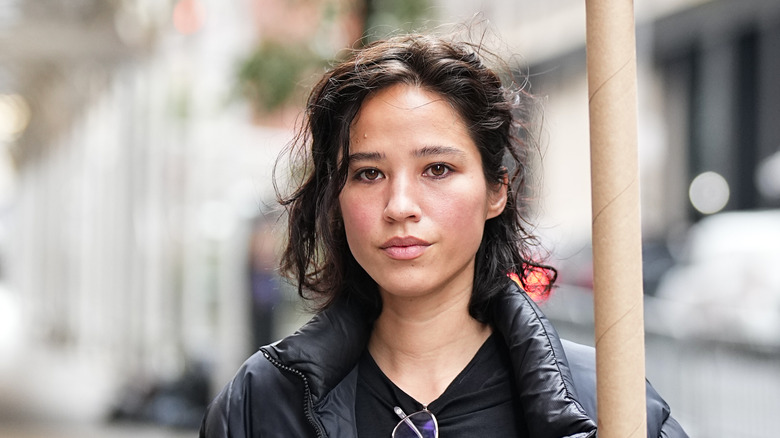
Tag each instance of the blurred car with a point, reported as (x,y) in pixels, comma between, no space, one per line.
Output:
(726,287)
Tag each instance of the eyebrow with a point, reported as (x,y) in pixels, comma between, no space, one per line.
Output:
(365,156)
(426,151)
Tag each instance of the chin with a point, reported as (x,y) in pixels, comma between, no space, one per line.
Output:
(411,288)
(404,291)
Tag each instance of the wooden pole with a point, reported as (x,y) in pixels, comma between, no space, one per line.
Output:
(617,255)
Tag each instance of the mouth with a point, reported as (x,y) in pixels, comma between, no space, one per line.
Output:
(404,248)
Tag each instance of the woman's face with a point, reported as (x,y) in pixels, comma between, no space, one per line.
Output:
(416,200)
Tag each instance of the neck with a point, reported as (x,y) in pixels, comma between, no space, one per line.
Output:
(423,344)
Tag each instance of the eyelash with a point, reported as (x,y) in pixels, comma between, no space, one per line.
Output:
(360,175)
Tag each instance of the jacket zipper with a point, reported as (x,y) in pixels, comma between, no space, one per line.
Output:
(308,408)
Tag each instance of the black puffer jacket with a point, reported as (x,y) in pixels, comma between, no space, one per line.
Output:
(304,385)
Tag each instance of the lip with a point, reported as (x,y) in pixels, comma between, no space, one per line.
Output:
(404,248)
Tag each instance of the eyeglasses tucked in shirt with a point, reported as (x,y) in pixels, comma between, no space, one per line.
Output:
(420,424)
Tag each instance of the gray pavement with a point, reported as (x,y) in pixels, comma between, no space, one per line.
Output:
(87,430)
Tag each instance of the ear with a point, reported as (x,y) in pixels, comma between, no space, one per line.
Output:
(497,194)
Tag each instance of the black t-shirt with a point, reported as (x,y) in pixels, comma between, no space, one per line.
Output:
(479,402)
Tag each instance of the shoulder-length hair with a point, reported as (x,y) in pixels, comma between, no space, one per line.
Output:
(316,255)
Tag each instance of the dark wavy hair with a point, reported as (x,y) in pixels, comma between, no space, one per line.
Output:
(316,255)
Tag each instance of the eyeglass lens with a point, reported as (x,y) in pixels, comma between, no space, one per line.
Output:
(417,425)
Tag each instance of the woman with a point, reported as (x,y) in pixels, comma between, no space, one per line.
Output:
(405,231)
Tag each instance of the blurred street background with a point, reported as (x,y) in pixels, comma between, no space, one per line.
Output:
(138,228)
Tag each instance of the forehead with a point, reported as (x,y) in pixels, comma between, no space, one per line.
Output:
(404,115)
(413,99)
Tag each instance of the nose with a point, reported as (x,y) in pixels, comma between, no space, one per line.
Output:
(402,202)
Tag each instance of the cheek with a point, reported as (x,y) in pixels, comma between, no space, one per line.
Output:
(461,210)
(357,216)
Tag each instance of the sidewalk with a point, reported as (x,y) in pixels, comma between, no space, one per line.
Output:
(73,430)
(45,393)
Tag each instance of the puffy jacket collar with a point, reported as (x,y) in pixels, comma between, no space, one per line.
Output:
(542,376)
(327,348)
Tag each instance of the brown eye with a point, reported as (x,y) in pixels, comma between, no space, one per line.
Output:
(438,170)
(370,174)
